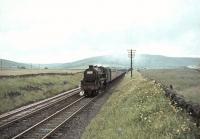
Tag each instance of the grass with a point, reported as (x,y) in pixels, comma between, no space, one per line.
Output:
(18,91)
(185,81)
(138,110)
(34,71)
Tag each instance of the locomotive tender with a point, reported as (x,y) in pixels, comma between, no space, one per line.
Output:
(95,78)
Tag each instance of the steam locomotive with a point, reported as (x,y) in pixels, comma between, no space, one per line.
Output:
(95,78)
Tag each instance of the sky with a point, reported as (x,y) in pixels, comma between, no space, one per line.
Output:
(57,31)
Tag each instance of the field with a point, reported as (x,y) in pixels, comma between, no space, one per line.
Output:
(18,91)
(138,109)
(185,81)
(35,71)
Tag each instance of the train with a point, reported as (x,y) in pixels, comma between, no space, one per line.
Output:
(97,78)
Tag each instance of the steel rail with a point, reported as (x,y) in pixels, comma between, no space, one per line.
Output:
(48,104)
(23,108)
(46,119)
(69,118)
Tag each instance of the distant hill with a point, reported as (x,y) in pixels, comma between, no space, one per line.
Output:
(140,61)
(121,61)
(108,61)
(157,61)
(7,64)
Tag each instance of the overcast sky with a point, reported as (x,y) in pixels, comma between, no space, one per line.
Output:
(55,31)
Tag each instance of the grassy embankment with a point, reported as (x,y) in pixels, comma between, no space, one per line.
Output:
(35,71)
(18,91)
(185,81)
(139,110)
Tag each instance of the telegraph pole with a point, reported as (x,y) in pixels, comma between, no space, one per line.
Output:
(131,55)
(1,64)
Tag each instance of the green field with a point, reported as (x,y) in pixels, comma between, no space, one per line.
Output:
(18,91)
(138,109)
(185,81)
(35,71)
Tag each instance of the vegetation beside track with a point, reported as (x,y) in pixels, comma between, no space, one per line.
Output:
(185,81)
(16,72)
(18,91)
(138,109)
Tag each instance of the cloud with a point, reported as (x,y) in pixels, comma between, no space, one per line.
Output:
(34,30)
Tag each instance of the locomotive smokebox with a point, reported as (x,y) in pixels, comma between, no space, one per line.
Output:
(91,66)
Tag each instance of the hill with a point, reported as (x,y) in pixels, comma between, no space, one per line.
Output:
(158,61)
(121,61)
(100,60)
(140,61)
(7,64)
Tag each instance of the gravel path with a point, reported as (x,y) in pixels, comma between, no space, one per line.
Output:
(75,128)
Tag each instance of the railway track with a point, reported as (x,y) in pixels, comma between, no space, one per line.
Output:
(40,120)
(13,115)
(45,128)
(25,118)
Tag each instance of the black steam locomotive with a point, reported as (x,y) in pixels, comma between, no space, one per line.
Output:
(95,78)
